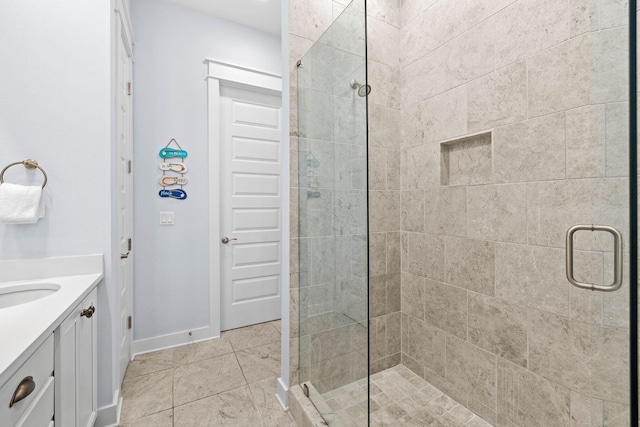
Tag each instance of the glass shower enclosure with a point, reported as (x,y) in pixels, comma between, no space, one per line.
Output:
(332,198)
(515,202)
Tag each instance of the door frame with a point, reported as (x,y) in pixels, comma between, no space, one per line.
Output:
(224,73)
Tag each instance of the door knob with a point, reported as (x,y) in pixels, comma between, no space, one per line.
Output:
(88,312)
(226,240)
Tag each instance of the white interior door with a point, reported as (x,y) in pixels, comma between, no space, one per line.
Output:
(251,207)
(124,201)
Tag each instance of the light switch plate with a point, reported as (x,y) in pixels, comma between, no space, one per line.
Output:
(166,218)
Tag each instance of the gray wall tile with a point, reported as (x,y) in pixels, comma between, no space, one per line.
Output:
(498,98)
(446,307)
(425,256)
(472,370)
(470,264)
(446,211)
(497,212)
(498,326)
(531,150)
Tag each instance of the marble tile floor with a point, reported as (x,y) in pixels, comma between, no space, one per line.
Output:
(398,398)
(230,381)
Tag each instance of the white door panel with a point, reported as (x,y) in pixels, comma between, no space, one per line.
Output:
(255,184)
(256,219)
(253,254)
(259,133)
(251,207)
(259,150)
(254,289)
(246,202)
(255,115)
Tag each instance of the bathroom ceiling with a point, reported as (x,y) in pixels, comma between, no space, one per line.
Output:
(263,15)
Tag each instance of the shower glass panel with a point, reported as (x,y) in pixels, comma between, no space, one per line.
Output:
(332,198)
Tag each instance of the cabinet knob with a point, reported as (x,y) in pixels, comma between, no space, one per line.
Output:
(88,312)
(25,388)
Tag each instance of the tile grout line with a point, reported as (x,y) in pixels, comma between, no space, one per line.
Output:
(246,384)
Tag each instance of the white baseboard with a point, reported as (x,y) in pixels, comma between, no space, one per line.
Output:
(282,394)
(172,340)
(109,416)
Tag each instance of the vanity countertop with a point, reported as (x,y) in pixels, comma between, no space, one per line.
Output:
(24,327)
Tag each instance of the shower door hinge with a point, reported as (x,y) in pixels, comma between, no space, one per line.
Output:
(130,88)
(299,63)
(130,322)
(305,389)
(129,166)
(129,243)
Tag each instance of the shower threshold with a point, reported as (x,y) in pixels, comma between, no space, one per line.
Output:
(398,398)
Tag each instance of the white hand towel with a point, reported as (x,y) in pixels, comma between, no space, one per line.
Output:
(21,204)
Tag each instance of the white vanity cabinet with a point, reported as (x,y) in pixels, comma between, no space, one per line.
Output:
(48,341)
(76,366)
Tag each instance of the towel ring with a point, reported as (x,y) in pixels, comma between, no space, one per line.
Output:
(29,164)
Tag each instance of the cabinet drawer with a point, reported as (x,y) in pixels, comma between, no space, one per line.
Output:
(40,367)
(40,412)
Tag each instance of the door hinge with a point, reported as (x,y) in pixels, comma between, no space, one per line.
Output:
(129,244)
(129,88)
(129,166)
(130,322)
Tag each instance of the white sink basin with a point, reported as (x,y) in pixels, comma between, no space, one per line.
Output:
(22,293)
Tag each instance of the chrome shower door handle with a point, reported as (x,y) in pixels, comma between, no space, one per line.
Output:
(617,258)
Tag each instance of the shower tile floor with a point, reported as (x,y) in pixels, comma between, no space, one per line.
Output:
(230,381)
(398,398)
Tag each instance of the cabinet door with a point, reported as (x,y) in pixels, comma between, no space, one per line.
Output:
(66,338)
(86,386)
(75,369)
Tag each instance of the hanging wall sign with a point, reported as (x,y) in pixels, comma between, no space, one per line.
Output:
(169,179)
(174,193)
(167,152)
(175,167)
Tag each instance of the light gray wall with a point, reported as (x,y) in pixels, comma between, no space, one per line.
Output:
(55,108)
(170,101)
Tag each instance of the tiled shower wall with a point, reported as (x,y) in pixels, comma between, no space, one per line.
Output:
(514,121)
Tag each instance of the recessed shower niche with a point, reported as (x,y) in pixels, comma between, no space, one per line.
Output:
(466,161)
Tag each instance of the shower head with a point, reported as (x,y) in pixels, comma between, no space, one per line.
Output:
(363,90)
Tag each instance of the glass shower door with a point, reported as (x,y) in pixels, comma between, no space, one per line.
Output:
(526,232)
(332,198)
